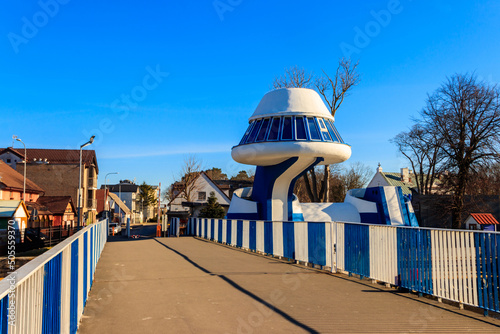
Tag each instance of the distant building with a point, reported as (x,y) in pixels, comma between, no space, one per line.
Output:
(481,221)
(405,179)
(56,171)
(129,192)
(199,190)
(62,208)
(16,211)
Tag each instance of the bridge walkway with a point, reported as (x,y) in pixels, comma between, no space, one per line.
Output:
(187,285)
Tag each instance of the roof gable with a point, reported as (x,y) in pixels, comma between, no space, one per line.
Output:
(56,204)
(199,180)
(14,180)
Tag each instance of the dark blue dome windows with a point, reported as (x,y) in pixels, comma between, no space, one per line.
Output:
(288,128)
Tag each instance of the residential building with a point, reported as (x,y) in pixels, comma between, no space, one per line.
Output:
(12,185)
(129,192)
(62,208)
(405,179)
(482,221)
(56,171)
(39,215)
(184,206)
(16,211)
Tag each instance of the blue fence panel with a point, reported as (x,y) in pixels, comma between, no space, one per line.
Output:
(85,269)
(212,229)
(51,313)
(316,242)
(357,249)
(228,231)
(239,233)
(73,313)
(252,241)
(219,231)
(487,264)
(268,237)
(91,256)
(4,320)
(415,259)
(289,240)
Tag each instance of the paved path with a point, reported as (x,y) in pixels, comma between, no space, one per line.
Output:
(186,285)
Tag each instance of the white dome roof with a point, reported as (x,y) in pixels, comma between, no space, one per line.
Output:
(291,101)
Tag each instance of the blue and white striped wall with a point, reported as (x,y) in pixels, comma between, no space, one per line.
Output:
(51,290)
(457,265)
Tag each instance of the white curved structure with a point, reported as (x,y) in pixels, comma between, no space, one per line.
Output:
(290,132)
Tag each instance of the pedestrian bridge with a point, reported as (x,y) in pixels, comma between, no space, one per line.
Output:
(193,285)
(188,285)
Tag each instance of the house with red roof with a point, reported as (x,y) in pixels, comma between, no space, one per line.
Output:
(482,221)
(62,209)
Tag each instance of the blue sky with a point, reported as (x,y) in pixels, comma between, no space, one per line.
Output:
(67,67)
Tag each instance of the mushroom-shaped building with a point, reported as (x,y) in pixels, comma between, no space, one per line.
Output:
(290,131)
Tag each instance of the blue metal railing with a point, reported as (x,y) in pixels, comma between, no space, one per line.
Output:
(457,265)
(48,294)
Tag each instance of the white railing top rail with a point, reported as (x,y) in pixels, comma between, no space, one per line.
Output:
(29,268)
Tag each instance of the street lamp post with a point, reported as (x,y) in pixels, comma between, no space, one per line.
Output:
(80,178)
(24,160)
(105,196)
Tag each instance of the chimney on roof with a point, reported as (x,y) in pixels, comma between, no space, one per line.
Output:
(405,175)
(379,168)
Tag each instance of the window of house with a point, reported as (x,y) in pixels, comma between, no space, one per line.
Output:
(202,196)
(287,133)
(333,131)
(275,129)
(243,140)
(8,161)
(263,130)
(324,131)
(313,129)
(300,128)
(254,132)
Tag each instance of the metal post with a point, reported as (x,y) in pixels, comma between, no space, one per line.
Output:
(105,196)
(80,179)
(24,160)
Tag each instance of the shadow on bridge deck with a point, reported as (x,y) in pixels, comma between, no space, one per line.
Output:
(186,285)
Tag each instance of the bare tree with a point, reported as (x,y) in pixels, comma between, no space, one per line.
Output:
(423,150)
(465,114)
(333,89)
(293,77)
(189,173)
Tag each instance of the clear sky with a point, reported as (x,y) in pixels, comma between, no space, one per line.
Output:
(156,81)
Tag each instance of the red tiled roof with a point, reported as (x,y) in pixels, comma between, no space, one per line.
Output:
(14,180)
(484,218)
(56,204)
(55,156)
